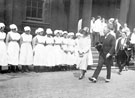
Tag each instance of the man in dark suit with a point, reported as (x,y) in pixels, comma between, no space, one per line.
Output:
(122,55)
(106,54)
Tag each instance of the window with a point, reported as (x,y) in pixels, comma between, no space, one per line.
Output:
(118,4)
(34,10)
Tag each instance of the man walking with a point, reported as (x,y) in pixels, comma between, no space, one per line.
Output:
(106,54)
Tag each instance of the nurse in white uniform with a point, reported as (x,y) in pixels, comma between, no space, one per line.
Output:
(3,48)
(39,50)
(64,48)
(57,48)
(50,59)
(13,47)
(26,52)
(71,49)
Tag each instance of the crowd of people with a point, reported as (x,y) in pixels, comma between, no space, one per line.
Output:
(62,50)
(112,40)
(98,25)
(56,50)
(97,29)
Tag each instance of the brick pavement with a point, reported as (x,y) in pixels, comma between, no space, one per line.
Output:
(66,85)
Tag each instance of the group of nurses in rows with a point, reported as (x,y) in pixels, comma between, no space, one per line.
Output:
(58,48)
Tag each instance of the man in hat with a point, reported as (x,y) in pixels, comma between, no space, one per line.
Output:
(106,55)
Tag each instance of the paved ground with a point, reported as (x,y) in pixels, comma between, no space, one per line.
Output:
(66,85)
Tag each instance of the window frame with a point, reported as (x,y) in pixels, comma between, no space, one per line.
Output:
(34,18)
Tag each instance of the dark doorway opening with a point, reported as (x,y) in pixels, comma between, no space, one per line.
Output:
(106,8)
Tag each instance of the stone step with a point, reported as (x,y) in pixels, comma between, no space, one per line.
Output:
(95,59)
(95,53)
(95,56)
(93,48)
(95,63)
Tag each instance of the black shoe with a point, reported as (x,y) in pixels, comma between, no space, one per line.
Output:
(93,80)
(81,77)
(82,74)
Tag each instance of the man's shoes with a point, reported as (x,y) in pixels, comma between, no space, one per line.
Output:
(107,80)
(82,74)
(92,79)
(119,73)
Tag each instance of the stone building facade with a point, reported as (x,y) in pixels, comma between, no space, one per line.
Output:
(64,14)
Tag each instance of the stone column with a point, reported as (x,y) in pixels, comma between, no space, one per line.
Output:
(73,15)
(131,15)
(2,10)
(17,14)
(58,15)
(9,11)
(124,8)
(87,10)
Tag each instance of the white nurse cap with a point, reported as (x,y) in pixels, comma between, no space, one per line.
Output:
(13,26)
(2,25)
(27,28)
(40,29)
(49,31)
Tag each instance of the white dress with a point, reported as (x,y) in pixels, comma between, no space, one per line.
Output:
(64,48)
(58,50)
(84,46)
(71,52)
(26,52)
(3,50)
(49,50)
(13,48)
(39,51)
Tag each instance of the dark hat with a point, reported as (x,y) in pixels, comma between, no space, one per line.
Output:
(85,30)
(81,31)
(99,46)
